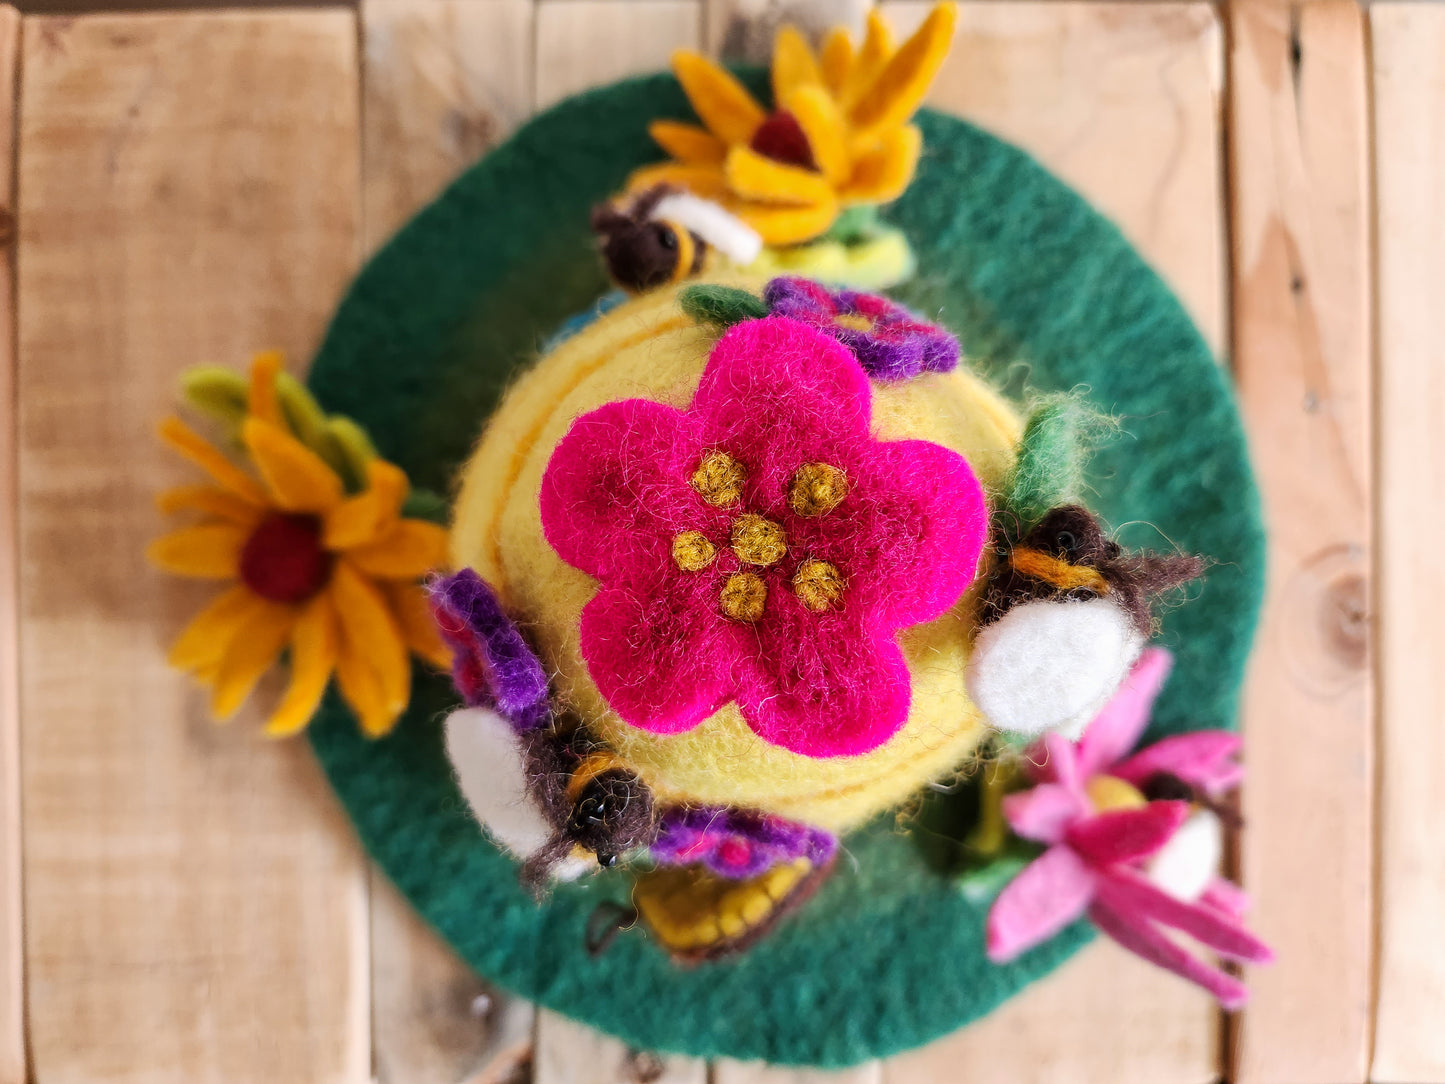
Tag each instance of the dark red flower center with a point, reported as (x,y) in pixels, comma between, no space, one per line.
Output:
(782,139)
(283,560)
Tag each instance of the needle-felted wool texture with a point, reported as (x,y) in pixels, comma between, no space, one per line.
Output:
(889,954)
(650,356)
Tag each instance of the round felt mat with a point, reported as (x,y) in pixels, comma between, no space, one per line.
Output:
(1040,288)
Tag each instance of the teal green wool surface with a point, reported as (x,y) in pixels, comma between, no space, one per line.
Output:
(1041,289)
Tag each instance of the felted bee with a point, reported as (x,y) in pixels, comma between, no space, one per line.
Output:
(665,235)
(1064,615)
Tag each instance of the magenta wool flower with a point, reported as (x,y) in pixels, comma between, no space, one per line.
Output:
(761,546)
(890,342)
(736,843)
(1135,866)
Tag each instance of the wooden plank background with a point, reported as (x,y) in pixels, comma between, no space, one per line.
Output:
(195,185)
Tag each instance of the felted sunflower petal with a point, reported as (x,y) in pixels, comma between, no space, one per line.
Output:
(408,602)
(360,520)
(884,172)
(298,478)
(898,90)
(794,65)
(410,549)
(720,101)
(871,59)
(361,689)
(688,143)
(261,401)
(210,500)
(183,439)
(206,551)
(203,642)
(252,651)
(822,122)
(704,181)
(837,60)
(371,636)
(314,640)
(788,225)
(754,177)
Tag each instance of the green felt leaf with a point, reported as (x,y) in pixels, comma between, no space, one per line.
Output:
(890,953)
(348,448)
(217,392)
(722,306)
(1059,437)
(424,504)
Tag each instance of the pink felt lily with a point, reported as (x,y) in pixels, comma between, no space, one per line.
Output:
(1117,856)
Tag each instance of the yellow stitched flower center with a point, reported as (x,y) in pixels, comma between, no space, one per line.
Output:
(818,584)
(758,541)
(852,321)
(692,552)
(744,596)
(816,489)
(719,479)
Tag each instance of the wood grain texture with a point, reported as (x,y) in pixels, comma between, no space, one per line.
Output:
(743,30)
(570,1053)
(1120,100)
(195,900)
(1105,1017)
(753,1072)
(1409,86)
(585,43)
(444,81)
(1302,354)
(12,935)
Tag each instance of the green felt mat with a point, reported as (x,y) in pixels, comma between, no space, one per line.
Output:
(1040,287)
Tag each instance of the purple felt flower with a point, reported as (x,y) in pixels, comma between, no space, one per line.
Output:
(736,843)
(890,342)
(492,666)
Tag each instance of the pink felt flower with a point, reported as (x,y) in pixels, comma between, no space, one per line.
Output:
(761,546)
(1116,855)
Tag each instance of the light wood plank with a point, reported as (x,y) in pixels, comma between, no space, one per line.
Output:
(755,1072)
(195,901)
(1105,1017)
(1302,353)
(744,29)
(1121,101)
(570,1053)
(1409,86)
(586,43)
(444,82)
(12,937)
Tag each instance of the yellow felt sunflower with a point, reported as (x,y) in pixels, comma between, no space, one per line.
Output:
(838,136)
(330,575)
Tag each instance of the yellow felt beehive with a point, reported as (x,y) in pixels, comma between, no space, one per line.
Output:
(648,348)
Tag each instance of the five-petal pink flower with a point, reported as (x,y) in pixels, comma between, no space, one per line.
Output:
(1089,807)
(746,591)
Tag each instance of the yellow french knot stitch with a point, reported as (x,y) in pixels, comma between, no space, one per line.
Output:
(719,479)
(744,596)
(818,584)
(692,552)
(816,489)
(758,541)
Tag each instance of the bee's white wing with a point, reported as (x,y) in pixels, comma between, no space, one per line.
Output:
(723,230)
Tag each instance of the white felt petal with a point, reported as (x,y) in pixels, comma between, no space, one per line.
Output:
(1189,862)
(488,762)
(1051,665)
(727,233)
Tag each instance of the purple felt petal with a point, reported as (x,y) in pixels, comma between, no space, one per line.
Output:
(492,665)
